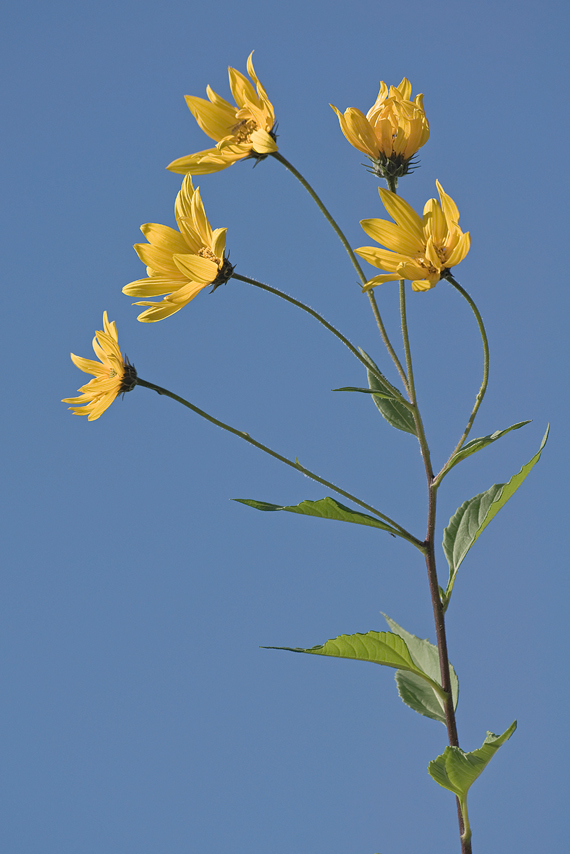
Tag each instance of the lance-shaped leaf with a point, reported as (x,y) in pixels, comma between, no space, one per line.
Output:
(471,519)
(414,691)
(378,647)
(385,395)
(457,771)
(393,411)
(477,444)
(325,508)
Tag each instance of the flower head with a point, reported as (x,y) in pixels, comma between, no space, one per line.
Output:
(423,248)
(113,374)
(180,263)
(391,132)
(246,130)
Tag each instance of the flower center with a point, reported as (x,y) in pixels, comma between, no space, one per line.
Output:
(243,130)
(206,252)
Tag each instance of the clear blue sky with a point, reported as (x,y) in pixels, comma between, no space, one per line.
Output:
(138,714)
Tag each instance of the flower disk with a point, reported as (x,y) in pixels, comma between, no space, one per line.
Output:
(180,263)
(391,132)
(423,249)
(240,132)
(113,375)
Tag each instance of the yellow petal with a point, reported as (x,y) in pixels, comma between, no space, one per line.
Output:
(216,120)
(87,365)
(378,105)
(403,213)
(460,250)
(449,207)
(155,287)
(219,242)
(434,222)
(379,280)
(201,163)
(405,89)
(156,258)
(200,220)
(164,237)
(381,258)
(423,285)
(242,90)
(393,236)
(262,142)
(183,204)
(198,269)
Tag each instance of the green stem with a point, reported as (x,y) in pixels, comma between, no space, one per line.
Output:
(481,394)
(412,386)
(429,543)
(397,529)
(341,236)
(380,377)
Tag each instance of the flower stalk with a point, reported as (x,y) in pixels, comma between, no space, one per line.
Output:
(341,236)
(398,529)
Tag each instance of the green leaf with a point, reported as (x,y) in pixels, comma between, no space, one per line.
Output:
(393,411)
(325,508)
(471,519)
(414,691)
(386,395)
(477,444)
(457,771)
(378,647)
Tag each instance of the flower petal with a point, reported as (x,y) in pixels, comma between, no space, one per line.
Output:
(262,142)
(216,120)
(157,286)
(393,236)
(460,250)
(381,258)
(403,213)
(196,268)
(164,237)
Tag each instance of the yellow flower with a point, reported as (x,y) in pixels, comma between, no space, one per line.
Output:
(247,130)
(391,132)
(113,374)
(423,249)
(180,263)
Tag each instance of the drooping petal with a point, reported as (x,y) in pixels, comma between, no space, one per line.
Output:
(423,285)
(157,286)
(379,280)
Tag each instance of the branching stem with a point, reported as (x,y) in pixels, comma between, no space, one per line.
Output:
(382,379)
(397,530)
(481,393)
(341,236)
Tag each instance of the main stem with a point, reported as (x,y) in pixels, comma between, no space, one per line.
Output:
(429,543)
(396,529)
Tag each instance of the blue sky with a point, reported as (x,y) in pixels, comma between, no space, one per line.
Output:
(139,714)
